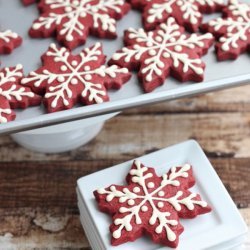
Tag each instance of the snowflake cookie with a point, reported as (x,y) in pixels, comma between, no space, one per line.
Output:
(232,30)
(67,79)
(13,95)
(73,20)
(8,41)
(151,205)
(167,50)
(187,13)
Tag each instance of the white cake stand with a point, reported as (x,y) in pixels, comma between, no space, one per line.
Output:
(63,137)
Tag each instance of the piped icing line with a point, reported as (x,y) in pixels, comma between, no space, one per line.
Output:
(83,73)
(73,19)
(232,30)
(187,12)
(137,201)
(165,47)
(9,40)
(12,94)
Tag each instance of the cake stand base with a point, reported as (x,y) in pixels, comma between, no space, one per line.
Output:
(63,137)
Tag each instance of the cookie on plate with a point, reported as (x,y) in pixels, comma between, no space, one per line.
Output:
(187,13)
(73,20)
(9,40)
(163,52)
(232,30)
(13,95)
(151,205)
(67,79)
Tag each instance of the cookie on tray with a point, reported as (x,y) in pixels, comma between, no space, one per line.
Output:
(151,205)
(73,20)
(9,40)
(232,30)
(168,50)
(187,13)
(67,79)
(13,95)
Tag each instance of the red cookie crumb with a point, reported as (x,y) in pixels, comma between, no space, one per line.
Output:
(73,20)
(13,95)
(9,41)
(232,30)
(67,79)
(28,2)
(188,13)
(151,205)
(167,50)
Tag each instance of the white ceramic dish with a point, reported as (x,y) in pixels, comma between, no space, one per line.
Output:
(223,228)
(14,16)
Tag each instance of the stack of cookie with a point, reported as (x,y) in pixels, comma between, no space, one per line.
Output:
(178,203)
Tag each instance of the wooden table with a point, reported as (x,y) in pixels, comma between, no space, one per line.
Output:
(37,191)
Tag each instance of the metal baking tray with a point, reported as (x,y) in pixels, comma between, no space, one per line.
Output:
(13,15)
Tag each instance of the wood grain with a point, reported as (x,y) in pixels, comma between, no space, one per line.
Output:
(37,191)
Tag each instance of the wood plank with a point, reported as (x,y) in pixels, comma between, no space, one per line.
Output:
(49,184)
(50,229)
(131,136)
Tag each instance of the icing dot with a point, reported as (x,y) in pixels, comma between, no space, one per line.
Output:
(166,55)
(131,202)
(144,208)
(63,68)
(178,48)
(161,193)
(136,189)
(172,39)
(74,81)
(151,185)
(152,52)
(88,77)
(158,39)
(68,9)
(60,79)
(160,204)
(74,63)
(87,68)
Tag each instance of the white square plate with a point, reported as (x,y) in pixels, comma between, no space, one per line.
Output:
(222,225)
(13,15)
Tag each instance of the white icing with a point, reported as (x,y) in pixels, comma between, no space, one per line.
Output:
(150,185)
(153,54)
(68,14)
(237,27)
(189,9)
(7,35)
(140,203)
(7,76)
(74,73)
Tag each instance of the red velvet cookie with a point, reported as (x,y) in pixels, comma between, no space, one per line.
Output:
(151,205)
(67,79)
(28,2)
(73,20)
(187,13)
(8,41)
(232,30)
(13,95)
(167,50)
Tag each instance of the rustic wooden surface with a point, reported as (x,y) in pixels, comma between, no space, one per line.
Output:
(37,191)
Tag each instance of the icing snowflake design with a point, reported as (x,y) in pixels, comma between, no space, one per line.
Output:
(167,50)
(67,78)
(12,94)
(233,30)
(72,20)
(8,41)
(187,13)
(151,204)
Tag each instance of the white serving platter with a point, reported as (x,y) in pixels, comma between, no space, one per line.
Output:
(13,15)
(221,229)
